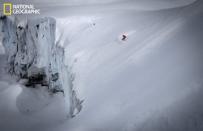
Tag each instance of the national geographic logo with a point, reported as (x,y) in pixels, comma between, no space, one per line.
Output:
(19,9)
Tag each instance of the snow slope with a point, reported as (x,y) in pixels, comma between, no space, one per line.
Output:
(150,82)
(127,85)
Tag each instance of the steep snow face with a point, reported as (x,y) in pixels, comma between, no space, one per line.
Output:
(142,83)
(35,59)
(9,39)
(152,81)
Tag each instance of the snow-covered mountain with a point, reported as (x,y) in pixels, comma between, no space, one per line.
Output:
(151,81)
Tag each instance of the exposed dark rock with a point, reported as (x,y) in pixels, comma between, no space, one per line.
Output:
(20,27)
(37,26)
(55,77)
(2,17)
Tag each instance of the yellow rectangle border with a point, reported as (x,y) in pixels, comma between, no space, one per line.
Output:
(4,9)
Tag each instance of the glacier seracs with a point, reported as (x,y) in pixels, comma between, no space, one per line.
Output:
(35,57)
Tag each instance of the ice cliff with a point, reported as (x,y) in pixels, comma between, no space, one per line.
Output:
(34,57)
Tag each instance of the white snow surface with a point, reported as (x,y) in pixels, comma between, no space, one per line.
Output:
(153,81)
